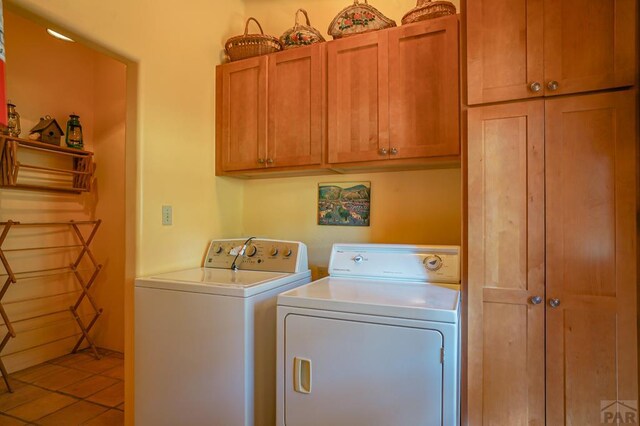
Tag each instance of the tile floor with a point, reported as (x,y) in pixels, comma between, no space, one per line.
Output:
(75,389)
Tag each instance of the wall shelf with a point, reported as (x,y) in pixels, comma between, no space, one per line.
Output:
(32,165)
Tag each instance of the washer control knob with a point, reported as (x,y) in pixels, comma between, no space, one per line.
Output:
(273,251)
(251,251)
(217,249)
(433,262)
(358,259)
(287,252)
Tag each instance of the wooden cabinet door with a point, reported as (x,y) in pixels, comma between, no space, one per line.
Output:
(295,107)
(505,348)
(504,49)
(589,44)
(241,134)
(423,89)
(591,255)
(358,98)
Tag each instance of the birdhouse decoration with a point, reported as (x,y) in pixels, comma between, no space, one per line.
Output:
(47,130)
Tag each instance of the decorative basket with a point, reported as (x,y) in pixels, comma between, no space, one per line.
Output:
(301,35)
(358,18)
(427,9)
(249,45)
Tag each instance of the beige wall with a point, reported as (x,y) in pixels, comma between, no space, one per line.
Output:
(48,76)
(176,50)
(109,88)
(406,207)
(417,207)
(172,52)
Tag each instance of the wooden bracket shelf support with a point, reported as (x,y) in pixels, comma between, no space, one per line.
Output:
(85,286)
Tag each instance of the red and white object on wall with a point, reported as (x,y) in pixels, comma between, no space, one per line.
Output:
(3,90)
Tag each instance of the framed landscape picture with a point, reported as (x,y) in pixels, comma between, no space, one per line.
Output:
(344,203)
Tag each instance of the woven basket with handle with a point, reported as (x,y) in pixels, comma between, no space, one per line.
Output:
(249,45)
(300,34)
(358,18)
(427,9)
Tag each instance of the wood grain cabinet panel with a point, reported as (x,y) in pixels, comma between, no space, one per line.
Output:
(504,50)
(552,213)
(295,107)
(424,89)
(527,48)
(506,264)
(394,94)
(591,255)
(270,111)
(358,98)
(241,114)
(589,44)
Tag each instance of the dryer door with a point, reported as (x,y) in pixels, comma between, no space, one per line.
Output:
(347,372)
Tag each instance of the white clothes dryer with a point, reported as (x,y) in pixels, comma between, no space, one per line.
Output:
(375,343)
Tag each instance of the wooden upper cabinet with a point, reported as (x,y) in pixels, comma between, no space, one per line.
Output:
(589,44)
(525,48)
(504,50)
(506,366)
(295,107)
(358,98)
(269,111)
(424,89)
(241,114)
(591,255)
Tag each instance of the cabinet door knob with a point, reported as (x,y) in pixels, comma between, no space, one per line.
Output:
(269,160)
(383,151)
(394,151)
(536,300)
(260,160)
(554,303)
(553,85)
(535,87)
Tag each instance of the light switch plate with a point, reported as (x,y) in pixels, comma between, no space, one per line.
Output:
(167,215)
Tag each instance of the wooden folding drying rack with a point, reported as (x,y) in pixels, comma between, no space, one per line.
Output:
(14,277)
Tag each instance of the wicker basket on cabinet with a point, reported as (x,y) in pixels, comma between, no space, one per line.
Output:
(427,9)
(249,45)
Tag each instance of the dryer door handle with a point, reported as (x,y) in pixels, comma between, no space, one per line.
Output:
(302,375)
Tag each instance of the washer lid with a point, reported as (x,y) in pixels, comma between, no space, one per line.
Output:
(220,277)
(399,299)
(220,281)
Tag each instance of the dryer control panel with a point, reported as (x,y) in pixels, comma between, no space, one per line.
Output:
(256,254)
(437,264)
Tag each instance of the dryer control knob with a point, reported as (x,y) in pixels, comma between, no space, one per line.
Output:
(358,259)
(217,249)
(287,252)
(433,262)
(273,251)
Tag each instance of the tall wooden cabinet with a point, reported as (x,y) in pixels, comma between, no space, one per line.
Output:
(552,261)
(527,48)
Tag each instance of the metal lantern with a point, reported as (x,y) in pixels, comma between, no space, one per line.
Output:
(74,132)
(13,121)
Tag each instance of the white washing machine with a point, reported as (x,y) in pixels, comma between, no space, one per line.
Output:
(375,343)
(205,337)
